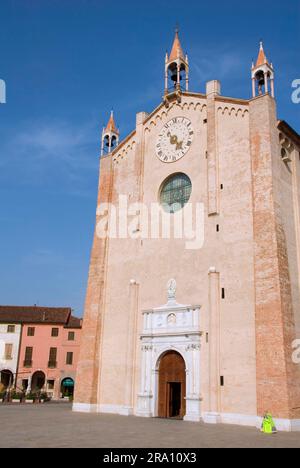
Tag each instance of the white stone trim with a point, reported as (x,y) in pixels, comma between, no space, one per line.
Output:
(108,409)
(282,425)
(211,418)
(113,409)
(295,425)
(287,425)
(84,408)
(241,419)
(172,327)
(126,411)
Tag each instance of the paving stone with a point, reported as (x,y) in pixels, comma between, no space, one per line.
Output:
(55,425)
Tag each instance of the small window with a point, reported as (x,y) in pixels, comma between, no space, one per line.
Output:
(52,363)
(8,351)
(222,382)
(69,360)
(24,384)
(30,331)
(11,328)
(54,332)
(223,293)
(50,384)
(71,336)
(28,356)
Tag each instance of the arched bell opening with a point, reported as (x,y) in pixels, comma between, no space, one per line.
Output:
(106,144)
(260,82)
(177,76)
(114,143)
(110,136)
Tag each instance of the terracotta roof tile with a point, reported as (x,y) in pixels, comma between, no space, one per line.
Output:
(261,59)
(74,322)
(34,314)
(176,49)
(111,126)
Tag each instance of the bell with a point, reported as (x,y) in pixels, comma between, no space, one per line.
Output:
(174,75)
(260,79)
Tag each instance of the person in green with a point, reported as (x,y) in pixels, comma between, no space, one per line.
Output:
(268,425)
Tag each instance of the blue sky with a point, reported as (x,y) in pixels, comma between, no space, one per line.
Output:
(66,63)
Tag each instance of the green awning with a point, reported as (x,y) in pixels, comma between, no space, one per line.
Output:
(68,383)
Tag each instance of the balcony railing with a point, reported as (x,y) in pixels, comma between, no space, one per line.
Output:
(28,363)
(52,364)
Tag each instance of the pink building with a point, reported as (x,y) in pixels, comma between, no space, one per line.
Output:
(48,349)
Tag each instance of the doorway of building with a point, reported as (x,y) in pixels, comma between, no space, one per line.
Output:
(67,387)
(6,380)
(172,386)
(38,381)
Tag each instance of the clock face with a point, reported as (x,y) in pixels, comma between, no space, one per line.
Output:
(174,140)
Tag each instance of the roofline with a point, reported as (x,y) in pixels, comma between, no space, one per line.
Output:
(161,104)
(194,94)
(121,144)
(233,100)
(149,116)
(66,311)
(79,327)
(282,124)
(25,322)
(34,306)
(34,322)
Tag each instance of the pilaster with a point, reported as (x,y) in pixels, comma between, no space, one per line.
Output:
(277,384)
(213,89)
(214,347)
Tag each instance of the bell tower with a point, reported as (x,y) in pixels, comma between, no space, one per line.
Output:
(176,68)
(262,75)
(110,136)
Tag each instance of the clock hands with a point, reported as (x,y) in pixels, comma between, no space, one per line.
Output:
(174,141)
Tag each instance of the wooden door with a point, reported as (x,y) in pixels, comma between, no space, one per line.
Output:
(172,386)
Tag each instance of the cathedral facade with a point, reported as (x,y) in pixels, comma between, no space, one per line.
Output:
(197,320)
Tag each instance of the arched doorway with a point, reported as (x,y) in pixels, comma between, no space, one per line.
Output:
(67,387)
(7,379)
(172,386)
(38,381)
